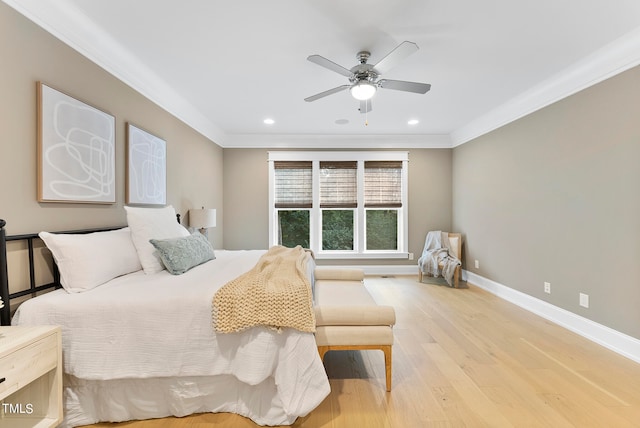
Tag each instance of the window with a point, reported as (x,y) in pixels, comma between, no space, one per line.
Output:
(338,201)
(293,200)
(339,204)
(382,200)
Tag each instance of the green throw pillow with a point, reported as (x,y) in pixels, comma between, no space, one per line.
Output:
(181,254)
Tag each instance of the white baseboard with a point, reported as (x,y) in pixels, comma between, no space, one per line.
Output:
(609,338)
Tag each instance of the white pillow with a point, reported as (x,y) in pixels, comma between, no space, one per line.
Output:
(152,223)
(88,260)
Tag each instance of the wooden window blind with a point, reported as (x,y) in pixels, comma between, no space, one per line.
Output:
(383,184)
(293,184)
(338,184)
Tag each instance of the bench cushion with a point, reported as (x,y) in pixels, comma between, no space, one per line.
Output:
(342,293)
(349,315)
(354,335)
(348,303)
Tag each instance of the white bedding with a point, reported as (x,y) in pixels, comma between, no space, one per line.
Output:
(157,327)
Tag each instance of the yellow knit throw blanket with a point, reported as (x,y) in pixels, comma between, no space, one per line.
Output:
(275,293)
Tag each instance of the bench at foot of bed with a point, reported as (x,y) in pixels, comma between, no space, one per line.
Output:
(347,317)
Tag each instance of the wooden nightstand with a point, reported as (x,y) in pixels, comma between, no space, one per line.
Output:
(31,374)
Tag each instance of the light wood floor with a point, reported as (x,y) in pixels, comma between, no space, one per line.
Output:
(465,358)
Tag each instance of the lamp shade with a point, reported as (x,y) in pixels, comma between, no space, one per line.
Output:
(363,91)
(202,218)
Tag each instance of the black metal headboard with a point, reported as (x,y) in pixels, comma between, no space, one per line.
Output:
(5,312)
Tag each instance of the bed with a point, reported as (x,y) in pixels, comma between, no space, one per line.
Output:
(142,345)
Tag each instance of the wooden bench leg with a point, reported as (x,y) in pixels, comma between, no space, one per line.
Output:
(322,350)
(387,365)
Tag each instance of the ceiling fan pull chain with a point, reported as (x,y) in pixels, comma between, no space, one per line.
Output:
(366,113)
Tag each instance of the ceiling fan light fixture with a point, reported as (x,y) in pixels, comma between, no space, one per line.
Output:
(362,91)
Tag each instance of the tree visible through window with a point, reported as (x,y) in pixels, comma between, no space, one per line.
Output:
(293,228)
(382,229)
(337,230)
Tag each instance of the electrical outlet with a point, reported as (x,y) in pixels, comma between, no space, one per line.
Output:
(547,287)
(410,256)
(584,300)
(477,264)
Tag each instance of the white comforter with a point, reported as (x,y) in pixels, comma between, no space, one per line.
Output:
(155,326)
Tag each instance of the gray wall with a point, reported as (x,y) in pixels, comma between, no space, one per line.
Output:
(246,191)
(554,197)
(246,199)
(29,54)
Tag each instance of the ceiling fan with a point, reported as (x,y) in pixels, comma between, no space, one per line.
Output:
(363,78)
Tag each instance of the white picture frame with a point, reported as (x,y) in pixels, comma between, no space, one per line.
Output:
(75,150)
(146,172)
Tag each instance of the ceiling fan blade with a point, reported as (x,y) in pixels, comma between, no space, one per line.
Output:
(400,85)
(401,51)
(365,106)
(325,93)
(322,61)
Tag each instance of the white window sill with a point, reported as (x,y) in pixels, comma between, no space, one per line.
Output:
(328,255)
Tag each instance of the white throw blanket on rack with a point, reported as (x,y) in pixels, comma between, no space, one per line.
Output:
(437,250)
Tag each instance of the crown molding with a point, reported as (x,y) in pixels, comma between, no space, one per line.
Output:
(614,58)
(358,141)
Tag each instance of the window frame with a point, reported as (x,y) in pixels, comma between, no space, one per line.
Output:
(315,226)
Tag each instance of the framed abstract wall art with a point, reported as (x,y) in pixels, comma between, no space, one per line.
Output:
(76,150)
(146,176)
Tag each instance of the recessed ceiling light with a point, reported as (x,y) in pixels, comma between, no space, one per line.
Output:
(269,121)
(413,122)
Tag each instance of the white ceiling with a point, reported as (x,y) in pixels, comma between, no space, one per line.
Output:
(223,66)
